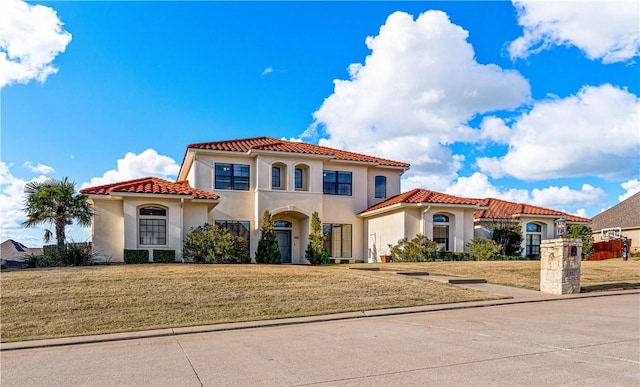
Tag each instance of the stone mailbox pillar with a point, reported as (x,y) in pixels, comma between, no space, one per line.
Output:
(560,266)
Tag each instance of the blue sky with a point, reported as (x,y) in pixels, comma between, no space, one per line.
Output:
(529,102)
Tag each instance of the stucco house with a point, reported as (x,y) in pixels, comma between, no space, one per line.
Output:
(232,183)
(626,216)
(536,223)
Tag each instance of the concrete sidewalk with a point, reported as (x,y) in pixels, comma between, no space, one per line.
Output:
(514,296)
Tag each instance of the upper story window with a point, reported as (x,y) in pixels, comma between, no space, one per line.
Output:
(152,225)
(232,176)
(276,174)
(336,183)
(381,187)
(301,178)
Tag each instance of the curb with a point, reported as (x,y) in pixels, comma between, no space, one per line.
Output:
(167,332)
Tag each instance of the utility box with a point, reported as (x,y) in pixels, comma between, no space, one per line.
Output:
(560,261)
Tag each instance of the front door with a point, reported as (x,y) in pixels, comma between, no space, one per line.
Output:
(284,243)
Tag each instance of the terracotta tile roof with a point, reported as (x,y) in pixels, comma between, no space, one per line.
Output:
(625,214)
(277,145)
(419,195)
(502,209)
(151,185)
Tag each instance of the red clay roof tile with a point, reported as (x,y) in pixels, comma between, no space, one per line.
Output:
(502,209)
(276,145)
(150,185)
(419,195)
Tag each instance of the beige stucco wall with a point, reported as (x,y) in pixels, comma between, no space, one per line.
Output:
(108,230)
(384,230)
(393,183)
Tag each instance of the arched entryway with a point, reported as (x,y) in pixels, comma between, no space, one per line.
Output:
(292,234)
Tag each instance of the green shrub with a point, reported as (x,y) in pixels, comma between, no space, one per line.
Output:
(136,256)
(419,249)
(509,236)
(268,250)
(214,244)
(316,254)
(72,254)
(482,248)
(164,256)
(454,256)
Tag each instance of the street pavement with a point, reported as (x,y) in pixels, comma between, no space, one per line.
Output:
(533,340)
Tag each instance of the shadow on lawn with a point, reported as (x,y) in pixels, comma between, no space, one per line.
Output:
(614,286)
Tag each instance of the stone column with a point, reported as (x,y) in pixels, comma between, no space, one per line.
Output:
(560,266)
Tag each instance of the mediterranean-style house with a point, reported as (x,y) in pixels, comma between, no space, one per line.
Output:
(232,183)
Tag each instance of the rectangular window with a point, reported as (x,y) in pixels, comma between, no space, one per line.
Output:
(153,231)
(337,239)
(232,176)
(381,187)
(298,178)
(236,228)
(441,237)
(533,244)
(275,177)
(336,183)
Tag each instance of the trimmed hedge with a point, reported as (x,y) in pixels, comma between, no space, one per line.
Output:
(164,256)
(136,256)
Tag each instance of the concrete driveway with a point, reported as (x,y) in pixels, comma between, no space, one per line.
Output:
(570,341)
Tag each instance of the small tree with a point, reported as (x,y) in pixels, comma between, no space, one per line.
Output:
(483,249)
(583,232)
(214,244)
(268,250)
(419,249)
(316,254)
(55,202)
(509,236)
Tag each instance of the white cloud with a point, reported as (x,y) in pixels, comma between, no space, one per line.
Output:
(38,168)
(31,36)
(479,186)
(133,166)
(12,201)
(606,30)
(632,187)
(494,129)
(594,133)
(266,71)
(414,94)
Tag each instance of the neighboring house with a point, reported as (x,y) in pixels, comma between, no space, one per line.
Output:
(536,223)
(445,219)
(13,254)
(625,215)
(232,183)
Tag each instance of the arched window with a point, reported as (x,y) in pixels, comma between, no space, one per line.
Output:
(301,179)
(533,238)
(380,187)
(152,225)
(278,176)
(441,231)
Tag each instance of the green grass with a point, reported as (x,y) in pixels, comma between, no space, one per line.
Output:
(47,303)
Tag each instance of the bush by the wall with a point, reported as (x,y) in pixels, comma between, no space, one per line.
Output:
(419,249)
(483,249)
(164,256)
(136,256)
(214,244)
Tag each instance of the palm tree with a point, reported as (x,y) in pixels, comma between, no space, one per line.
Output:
(55,202)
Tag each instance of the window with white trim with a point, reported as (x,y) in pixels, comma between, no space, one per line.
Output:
(152,226)
(337,239)
(441,231)
(232,176)
(380,187)
(533,237)
(336,183)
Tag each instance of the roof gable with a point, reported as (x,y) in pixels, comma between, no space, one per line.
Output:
(152,186)
(276,145)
